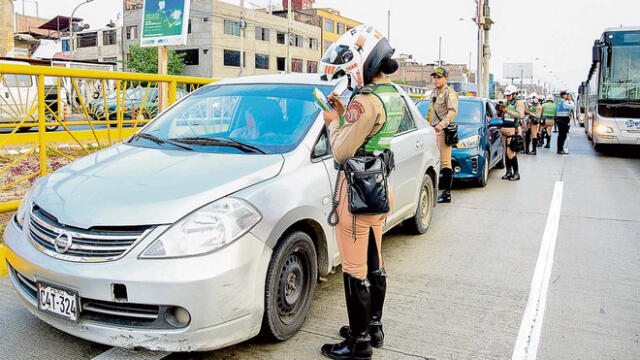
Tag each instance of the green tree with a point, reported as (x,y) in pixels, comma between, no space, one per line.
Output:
(145,60)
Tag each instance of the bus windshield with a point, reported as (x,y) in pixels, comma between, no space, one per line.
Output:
(621,66)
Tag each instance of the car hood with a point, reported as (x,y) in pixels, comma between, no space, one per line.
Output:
(130,185)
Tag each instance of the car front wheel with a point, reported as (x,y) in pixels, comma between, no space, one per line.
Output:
(290,285)
(484,177)
(419,224)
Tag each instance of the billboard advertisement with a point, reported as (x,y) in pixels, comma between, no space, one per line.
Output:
(517,70)
(164,22)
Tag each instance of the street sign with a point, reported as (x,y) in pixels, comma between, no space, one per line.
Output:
(517,70)
(164,22)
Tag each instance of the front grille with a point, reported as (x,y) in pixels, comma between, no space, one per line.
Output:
(93,245)
(474,164)
(109,312)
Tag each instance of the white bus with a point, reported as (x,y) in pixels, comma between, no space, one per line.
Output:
(612,114)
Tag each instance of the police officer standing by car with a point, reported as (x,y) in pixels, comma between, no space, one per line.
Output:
(563,119)
(513,114)
(361,130)
(442,112)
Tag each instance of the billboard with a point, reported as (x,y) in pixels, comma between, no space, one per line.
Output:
(164,22)
(517,70)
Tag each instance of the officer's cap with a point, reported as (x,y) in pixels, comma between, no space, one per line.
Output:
(440,72)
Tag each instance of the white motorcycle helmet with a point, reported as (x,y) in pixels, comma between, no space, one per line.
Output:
(358,53)
(510,90)
(541,98)
(550,98)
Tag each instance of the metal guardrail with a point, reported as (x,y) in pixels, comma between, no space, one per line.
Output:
(92,108)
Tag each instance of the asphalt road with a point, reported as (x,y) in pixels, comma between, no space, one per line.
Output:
(460,291)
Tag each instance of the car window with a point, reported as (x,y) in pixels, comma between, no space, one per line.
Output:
(491,111)
(423,107)
(272,117)
(407,122)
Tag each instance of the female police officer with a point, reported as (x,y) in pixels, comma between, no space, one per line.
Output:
(513,115)
(365,127)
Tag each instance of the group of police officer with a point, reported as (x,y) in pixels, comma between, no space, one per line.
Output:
(542,114)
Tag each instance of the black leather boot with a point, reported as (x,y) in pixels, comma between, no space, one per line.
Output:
(516,173)
(527,142)
(548,144)
(378,281)
(541,139)
(447,181)
(535,147)
(357,346)
(509,173)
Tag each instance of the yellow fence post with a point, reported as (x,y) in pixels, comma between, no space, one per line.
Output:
(173,89)
(41,127)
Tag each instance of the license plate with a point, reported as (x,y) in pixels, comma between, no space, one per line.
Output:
(58,301)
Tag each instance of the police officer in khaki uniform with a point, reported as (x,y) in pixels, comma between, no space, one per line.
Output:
(443,111)
(363,127)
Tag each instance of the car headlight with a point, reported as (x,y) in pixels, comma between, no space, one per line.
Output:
(23,208)
(469,142)
(603,129)
(205,230)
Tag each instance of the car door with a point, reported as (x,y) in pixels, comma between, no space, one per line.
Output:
(408,147)
(494,137)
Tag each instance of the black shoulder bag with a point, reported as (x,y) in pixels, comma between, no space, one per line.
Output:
(367,185)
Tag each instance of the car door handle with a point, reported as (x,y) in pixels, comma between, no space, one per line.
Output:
(419,144)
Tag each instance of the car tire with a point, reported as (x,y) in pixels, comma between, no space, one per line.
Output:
(598,147)
(51,119)
(484,177)
(420,222)
(290,285)
(501,164)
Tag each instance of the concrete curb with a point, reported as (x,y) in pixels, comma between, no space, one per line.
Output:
(3,263)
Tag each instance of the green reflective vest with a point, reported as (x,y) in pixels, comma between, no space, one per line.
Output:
(549,110)
(394,111)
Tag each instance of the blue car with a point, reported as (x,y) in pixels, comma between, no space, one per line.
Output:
(480,147)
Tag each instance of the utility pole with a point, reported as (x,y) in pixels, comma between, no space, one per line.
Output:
(483,18)
(440,51)
(289,37)
(389,25)
(242,37)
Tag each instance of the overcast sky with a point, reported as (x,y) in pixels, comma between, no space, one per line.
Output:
(558,32)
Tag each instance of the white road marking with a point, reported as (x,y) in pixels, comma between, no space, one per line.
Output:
(526,347)
(120,353)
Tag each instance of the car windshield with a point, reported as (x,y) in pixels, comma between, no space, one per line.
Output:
(272,118)
(469,111)
(621,66)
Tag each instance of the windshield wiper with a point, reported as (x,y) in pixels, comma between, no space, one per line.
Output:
(219,141)
(160,141)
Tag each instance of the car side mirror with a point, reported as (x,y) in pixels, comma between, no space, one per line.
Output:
(496,122)
(322,146)
(596,51)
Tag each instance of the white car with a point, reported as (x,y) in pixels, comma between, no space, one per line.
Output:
(207,226)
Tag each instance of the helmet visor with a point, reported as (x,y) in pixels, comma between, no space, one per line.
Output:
(338,55)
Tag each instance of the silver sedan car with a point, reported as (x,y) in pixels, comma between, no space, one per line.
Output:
(206,227)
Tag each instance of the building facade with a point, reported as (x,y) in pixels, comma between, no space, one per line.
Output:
(101,45)
(414,73)
(333,25)
(213,41)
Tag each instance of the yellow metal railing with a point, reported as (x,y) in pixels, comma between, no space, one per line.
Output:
(92,108)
